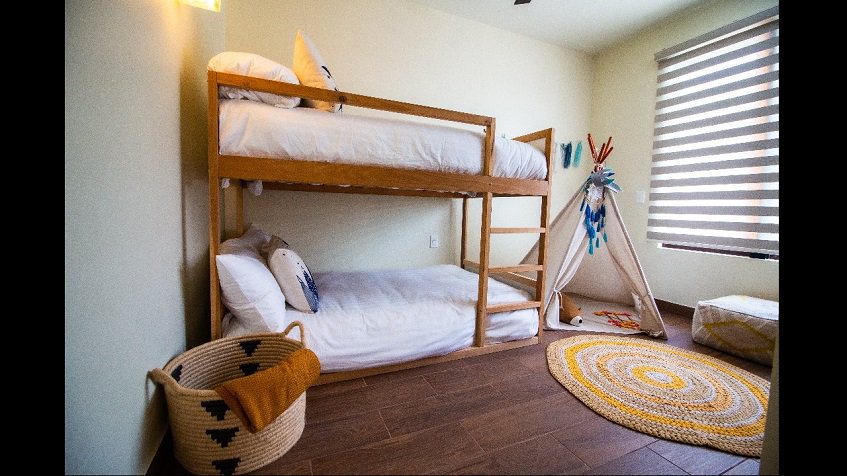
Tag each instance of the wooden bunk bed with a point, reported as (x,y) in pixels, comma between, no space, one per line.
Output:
(283,174)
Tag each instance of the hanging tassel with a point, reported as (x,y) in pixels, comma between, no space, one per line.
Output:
(582,205)
(605,240)
(590,247)
(598,242)
(577,153)
(603,209)
(566,154)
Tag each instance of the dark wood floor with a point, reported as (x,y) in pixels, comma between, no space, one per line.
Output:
(501,413)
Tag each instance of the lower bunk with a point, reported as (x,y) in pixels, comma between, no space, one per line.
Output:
(370,322)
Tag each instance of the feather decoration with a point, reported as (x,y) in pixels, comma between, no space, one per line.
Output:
(577,153)
(566,154)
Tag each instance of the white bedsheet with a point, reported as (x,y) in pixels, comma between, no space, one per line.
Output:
(369,319)
(250,128)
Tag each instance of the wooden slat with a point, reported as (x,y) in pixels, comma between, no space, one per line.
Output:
(546,134)
(519,278)
(307,187)
(298,171)
(488,151)
(521,268)
(525,280)
(518,230)
(459,354)
(288,89)
(214,209)
(513,306)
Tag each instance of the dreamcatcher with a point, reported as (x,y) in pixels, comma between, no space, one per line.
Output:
(594,217)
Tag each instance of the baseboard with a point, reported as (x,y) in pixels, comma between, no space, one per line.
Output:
(675,308)
(163,454)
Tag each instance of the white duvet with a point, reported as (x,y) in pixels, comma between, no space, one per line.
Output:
(374,318)
(250,128)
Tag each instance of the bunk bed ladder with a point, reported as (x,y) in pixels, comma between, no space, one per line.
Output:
(514,272)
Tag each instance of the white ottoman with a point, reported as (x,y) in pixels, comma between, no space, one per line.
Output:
(740,325)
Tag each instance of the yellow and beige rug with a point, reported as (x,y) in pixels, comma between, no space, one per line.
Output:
(664,391)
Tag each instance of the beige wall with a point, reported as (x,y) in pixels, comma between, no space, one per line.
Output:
(404,51)
(622,106)
(136,266)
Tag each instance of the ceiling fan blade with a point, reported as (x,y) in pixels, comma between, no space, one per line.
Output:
(521,2)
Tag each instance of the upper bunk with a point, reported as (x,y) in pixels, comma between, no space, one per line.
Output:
(312,150)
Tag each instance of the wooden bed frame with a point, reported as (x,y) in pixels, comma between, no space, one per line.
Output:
(283,174)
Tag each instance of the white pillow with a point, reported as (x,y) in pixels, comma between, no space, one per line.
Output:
(311,70)
(293,277)
(255,66)
(249,289)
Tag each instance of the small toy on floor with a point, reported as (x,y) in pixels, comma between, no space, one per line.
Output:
(568,310)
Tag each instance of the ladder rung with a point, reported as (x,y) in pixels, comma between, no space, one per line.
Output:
(513,306)
(515,269)
(518,230)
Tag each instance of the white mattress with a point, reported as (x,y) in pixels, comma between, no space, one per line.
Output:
(369,319)
(250,128)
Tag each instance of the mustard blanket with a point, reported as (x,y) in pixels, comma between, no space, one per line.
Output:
(259,398)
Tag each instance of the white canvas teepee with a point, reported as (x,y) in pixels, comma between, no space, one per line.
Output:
(608,279)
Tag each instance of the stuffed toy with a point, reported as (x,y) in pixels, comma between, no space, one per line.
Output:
(568,310)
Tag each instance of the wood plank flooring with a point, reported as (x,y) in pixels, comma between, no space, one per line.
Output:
(500,413)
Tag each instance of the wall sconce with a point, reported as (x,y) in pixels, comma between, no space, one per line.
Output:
(213,5)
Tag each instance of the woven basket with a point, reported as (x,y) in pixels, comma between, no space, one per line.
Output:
(208,437)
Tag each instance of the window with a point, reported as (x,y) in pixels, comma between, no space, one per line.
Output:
(714,181)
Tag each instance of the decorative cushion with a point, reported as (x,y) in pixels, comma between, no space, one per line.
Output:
(249,289)
(312,71)
(740,325)
(293,277)
(255,66)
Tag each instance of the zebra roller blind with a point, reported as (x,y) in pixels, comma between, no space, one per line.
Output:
(715,173)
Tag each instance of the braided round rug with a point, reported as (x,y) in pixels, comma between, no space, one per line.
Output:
(664,391)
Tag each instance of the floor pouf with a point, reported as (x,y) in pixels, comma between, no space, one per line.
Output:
(739,325)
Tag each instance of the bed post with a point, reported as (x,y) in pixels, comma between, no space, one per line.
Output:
(484,240)
(214,207)
(542,239)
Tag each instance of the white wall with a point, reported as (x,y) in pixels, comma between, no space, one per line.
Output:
(622,106)
(136,246)
(404,51)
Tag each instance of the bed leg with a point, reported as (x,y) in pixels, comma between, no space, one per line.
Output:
(214,248)
(464,252)
(484,251)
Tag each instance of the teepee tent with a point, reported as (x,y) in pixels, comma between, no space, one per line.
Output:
(597,268)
